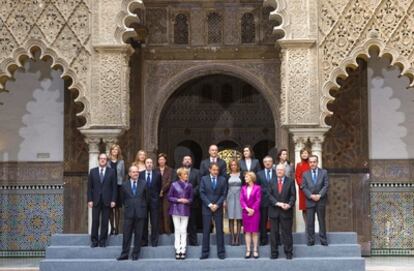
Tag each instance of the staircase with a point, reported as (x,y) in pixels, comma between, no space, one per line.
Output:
(69,252)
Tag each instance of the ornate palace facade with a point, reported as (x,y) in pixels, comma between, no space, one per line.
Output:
(163,75)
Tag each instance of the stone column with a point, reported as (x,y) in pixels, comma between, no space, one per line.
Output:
(93,145)
(300,143)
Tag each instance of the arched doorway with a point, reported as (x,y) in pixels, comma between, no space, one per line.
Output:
(215,109)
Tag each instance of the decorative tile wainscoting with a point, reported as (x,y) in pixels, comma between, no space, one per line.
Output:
(31,207)
(392,207)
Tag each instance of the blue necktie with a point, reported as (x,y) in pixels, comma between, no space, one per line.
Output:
(314,177)
(134,188)
(149,179)
(268,175)
(214,183)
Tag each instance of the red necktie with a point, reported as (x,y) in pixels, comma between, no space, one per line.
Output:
(279,185)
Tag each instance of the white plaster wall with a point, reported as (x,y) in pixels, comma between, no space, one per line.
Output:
(391,112)
(31,118)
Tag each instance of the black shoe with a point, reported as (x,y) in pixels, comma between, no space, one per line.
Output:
(122,258)
(112,232)
(289,256)
(274,257)
(203,257)
(221,257)
(248,254)
(102,245)
(135,258)
(324,244)
(182,257)
(256,255)
(177,256)
(193,244)
(93,245)
(309,244)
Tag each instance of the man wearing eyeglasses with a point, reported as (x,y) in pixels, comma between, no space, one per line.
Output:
(101,194)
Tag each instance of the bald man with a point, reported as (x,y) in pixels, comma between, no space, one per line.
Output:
(214,158)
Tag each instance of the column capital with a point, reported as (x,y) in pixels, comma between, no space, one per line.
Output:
(313,134)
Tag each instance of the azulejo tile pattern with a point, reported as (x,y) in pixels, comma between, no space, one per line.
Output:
(392,207)
(29,215)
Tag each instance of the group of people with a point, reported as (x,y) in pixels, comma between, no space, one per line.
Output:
(249,196)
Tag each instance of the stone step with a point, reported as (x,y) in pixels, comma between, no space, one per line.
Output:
(229,264)
(168,240)
(111,252)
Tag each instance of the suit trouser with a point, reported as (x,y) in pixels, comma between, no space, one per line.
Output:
(180,233)
(263,223)
(153,214)
(100,211)
(218,220)
(283,225)
(319,209)
(192,226)
(132,226)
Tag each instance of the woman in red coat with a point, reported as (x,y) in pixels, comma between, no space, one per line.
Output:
(301,168)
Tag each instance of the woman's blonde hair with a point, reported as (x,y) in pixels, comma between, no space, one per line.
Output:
(181,171)
(119,157)
(251,174)
(136,162)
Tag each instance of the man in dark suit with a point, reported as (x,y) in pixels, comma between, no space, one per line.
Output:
(282,196)
(315,186)
(205,164)
(134,198)
(194,179)
(152,178)
(101,194)
(213,192)
(264,177)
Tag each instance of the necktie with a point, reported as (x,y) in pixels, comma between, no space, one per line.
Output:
(101,175)
(214,183)
(314,177)
(134,188)
(279,185)
(149,179)
(268,175)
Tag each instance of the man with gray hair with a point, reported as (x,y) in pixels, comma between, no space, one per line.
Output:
(281,194)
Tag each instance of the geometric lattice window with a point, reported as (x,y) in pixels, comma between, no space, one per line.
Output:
(248,28)
(206,93)
(181,29)
(215,27)
(247,94)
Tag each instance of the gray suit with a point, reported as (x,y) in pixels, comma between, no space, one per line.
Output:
(318,207)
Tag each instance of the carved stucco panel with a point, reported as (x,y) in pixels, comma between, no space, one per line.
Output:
(350,28)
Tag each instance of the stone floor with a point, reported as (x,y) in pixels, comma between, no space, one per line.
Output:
(372,264)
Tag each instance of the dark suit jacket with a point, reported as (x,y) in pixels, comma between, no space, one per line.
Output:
(155,188)
(205,164)
(255,166)
(288,196)
(215,196)
(108,189)
(135,206)
(262,181)
(321,187)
